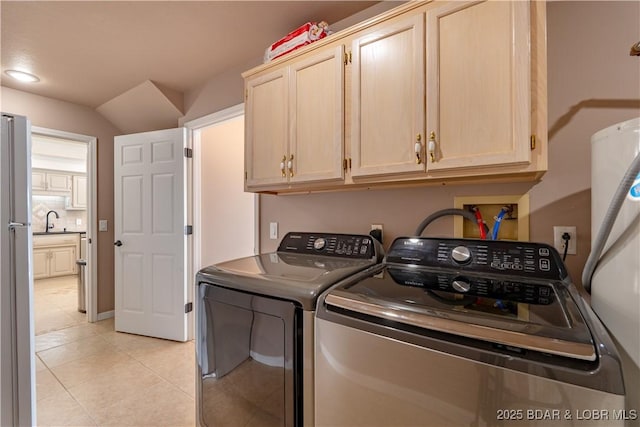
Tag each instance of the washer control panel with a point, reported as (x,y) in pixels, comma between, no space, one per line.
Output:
(539,293)
(339,245)
(489,256)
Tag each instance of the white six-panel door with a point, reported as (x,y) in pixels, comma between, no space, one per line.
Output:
(150,278)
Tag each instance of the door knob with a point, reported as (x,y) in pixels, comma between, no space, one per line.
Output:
(117,243)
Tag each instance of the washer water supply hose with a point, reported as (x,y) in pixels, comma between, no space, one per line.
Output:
(478,215)
(609,219)
(444,212)
(496,225)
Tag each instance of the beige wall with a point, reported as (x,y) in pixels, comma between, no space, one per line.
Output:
(64,116)
(228,220)
(592,83)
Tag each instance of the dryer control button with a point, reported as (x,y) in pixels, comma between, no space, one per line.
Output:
(319,243)
(461,285)
(461,254)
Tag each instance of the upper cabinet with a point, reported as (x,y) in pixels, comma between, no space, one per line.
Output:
(46,182)
(387,98)
(316,117)
(294,122)
(478,85)
(79,192)
(71,186)
(426,92)
(266,128)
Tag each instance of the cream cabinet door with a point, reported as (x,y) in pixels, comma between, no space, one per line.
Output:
(40,263)
(316,118)
(478,84)
(58,182)
(387,101)
(38,180)
(266,129)
(63,261)
(79,192)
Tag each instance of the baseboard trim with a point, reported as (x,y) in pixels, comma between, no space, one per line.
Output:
(106,315)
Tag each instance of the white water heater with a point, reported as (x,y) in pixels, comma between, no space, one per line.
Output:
(615,286)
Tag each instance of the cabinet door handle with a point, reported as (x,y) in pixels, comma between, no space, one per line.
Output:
(431,147)
(282,166)
(418,149)
(290,166)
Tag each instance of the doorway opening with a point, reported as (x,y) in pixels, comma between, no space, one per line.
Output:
(226,218)
(63,167)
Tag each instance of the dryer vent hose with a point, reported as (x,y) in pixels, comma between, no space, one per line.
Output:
(608,221)
(445,212)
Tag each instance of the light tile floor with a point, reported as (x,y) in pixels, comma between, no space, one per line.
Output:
(89,375)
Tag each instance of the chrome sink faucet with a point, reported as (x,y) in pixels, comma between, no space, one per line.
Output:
(47,225)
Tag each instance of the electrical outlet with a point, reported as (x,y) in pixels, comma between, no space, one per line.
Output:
(558,242)
(378,231)
(273,230)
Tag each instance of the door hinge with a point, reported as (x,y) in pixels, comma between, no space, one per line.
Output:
(347,58)
(188,152)
(188,307)
(188,230)
(533,142)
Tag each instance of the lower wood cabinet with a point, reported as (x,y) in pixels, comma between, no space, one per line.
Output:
(55,255)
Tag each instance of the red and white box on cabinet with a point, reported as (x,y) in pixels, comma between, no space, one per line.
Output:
(303,35)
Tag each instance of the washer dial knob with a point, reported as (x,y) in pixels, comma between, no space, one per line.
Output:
(461,286)
(461,254)
(319,244)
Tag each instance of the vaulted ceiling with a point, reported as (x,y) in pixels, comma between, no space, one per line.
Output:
(89,52)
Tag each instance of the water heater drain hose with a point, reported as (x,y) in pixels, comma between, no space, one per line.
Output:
(608,221)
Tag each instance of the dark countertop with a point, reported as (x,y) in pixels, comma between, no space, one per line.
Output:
(44,233)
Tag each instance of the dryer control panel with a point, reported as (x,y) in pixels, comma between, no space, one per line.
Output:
(352,246)
(534,260)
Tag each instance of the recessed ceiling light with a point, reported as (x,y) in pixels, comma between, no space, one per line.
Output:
(22,76)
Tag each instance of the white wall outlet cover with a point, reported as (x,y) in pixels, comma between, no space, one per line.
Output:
(78,221)
(102,225)
(558,242)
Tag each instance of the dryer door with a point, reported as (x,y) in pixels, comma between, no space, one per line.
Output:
(246,359)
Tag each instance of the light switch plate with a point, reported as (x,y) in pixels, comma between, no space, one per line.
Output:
(102,225)
(273,230)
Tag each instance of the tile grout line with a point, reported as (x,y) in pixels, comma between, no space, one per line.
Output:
(124,347)
(66,390)
(163,378)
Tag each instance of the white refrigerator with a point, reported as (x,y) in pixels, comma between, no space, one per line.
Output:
(615,284)
(17,378)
